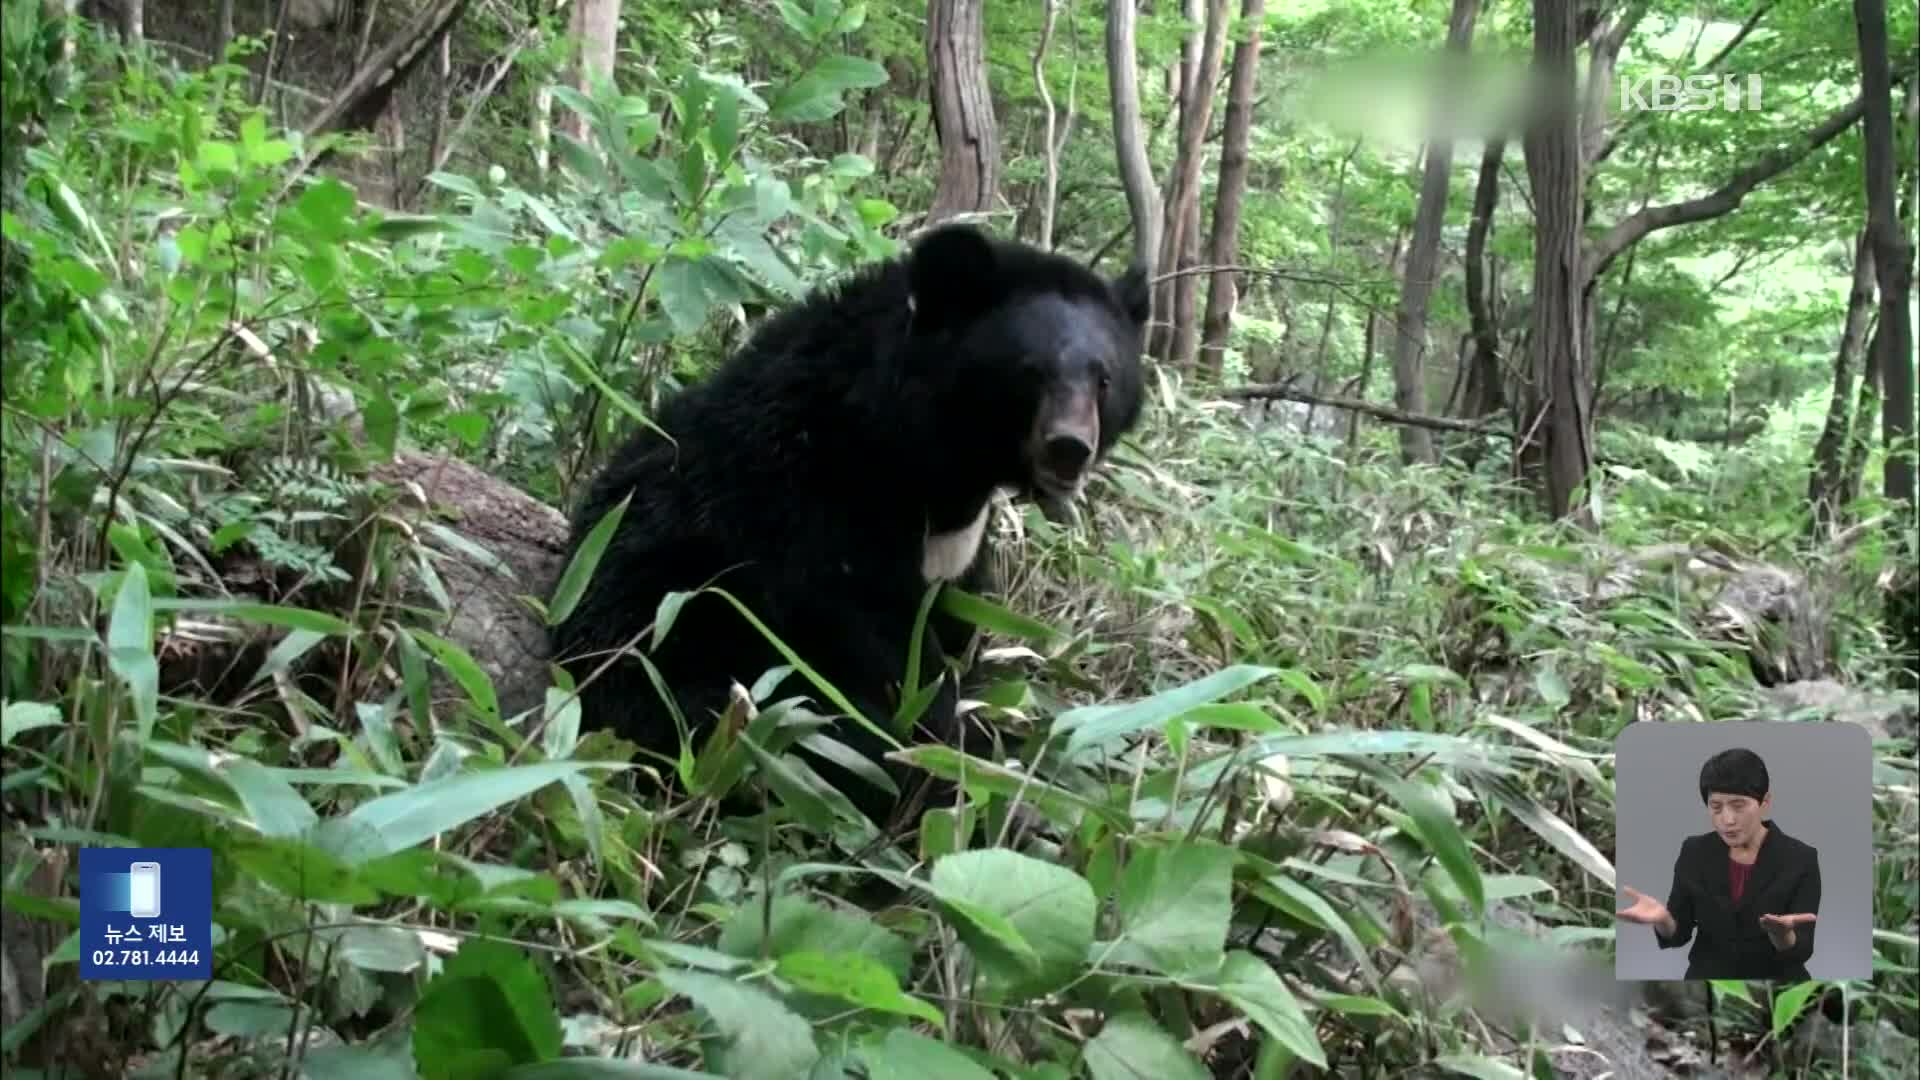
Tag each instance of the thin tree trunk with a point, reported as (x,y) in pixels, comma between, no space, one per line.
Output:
(1223,289)
(1369,347)
(1485,390)
(963,119)
(1557,428)
(223,33)
(1336,220)
(1866,410)
(1129,134)
(1050,149)
(1824,490)
(1177,342)
(1423,257)
(133,21)
(1892,259)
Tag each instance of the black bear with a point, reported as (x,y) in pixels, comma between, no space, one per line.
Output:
(837,465)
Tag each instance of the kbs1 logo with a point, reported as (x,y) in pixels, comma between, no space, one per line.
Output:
(1692,93)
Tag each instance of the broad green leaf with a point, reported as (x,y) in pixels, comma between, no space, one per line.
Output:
(1132,1047)
(1253,987)
(1049,906)
(301,871)
(765,1039)
(798,924)
(815,96)
(1174,901)
(488,1008)
(1789,1003)
(855,978)
(909,1055)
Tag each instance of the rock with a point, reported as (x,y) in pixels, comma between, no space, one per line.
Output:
(1885,716)
(494,545)
(1778,618)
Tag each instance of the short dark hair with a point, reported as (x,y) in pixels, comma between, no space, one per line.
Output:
(1734,771)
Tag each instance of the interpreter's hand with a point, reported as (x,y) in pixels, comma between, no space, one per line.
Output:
(1779,928)
(1646,911)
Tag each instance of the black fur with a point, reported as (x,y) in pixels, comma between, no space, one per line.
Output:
(810,468)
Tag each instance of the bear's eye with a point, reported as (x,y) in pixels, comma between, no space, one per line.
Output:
(1102,377)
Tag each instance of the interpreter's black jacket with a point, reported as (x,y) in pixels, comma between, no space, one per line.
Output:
(1728,942)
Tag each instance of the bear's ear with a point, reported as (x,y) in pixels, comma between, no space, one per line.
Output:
(950,274)
(1133,292)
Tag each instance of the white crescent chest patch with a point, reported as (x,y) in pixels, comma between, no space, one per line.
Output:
(947,555)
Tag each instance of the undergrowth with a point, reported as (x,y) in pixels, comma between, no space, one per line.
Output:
(1275,710)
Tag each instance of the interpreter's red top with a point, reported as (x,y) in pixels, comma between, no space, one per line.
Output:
(1737,877)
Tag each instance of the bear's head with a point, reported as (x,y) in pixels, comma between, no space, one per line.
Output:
(1041,354)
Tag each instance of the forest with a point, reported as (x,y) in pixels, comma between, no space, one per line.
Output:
(1518,380)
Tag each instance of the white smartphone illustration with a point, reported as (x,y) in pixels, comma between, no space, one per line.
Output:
(144,878)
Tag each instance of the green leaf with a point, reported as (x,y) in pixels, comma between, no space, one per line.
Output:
(1093,725)
(464,670)
(580,568)
(1436,830)
(1049,908)
(590,1068)
(418,814)
(684,294)
(855,978)
(490,1007)
(21,717)
(273,806)
(816,95)
(293,618)
(1789,1003)
(1252,986)
(1174,902)
(326,206)
(1479,1066)
(1132,1047)
(130,646)
(301,871)
(216,159)
(909,1055)
(765,1039)
(800,925)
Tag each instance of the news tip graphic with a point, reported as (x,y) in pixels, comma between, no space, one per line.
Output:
(146,913)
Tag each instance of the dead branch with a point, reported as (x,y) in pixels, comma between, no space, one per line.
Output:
(1284,392)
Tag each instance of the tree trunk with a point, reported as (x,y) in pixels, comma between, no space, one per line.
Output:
(1483,395)
(1222,289)
(963,120)
(1892,260)
(1556,427)
(133,21)
(596,23)
(1866,409)
(1176,343)
(223,32)
(1129,134)
(1423,256)
(1824,491)
(1050,149)
(1368,348)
